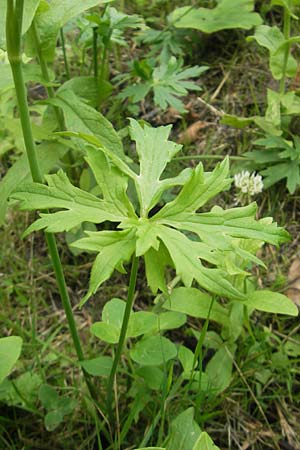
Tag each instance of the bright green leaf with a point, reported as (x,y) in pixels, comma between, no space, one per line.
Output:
(227,14)
(98,367)
(195,303)
(153,351)
(184,431)
(10,350)
(272,302)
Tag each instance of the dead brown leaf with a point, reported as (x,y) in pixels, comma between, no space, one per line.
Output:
(191,133)
(293,291)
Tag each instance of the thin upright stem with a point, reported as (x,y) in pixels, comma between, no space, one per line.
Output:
(95,51)
(13,37)
(63,46)
(129,303)
(287,33)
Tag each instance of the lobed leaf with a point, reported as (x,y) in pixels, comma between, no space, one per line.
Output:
(80,206)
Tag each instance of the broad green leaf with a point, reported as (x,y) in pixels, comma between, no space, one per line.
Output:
(10,350)
(114,249)
(86,88)
(48,396)
(205,443)
(195,303)
(153,376)
(49,153)
(219,367)
(272,302)
(30,7)
(186,358)
(141,322)
(50,17)
(53,419)
(184,431)
(198,190)
(273,39)
(170,320)
(153,351)
(153,161)
(235,121)
(82,118)
(80,206)
(227,14)
(100,366)
(186,256)
(105,332)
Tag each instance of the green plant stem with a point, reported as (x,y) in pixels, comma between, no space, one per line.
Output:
(63,45)
(13,26)
(286,32)
(129,303)
(95,51)
(218,157)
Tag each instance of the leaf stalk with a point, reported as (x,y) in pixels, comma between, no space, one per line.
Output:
(129,303)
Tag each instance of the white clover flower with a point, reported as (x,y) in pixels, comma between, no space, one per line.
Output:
(249,185)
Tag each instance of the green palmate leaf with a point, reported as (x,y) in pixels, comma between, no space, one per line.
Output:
(273,39)
(215,226)
(221,234)
(277,172)
(227,14)
(152,161)
(50,17)
(82,118)
(114,248)
(184,431)
(168,82)
(195,303)
(112,182)
(49,153)
(205,443)
(186,256)
(198,189)
(272,302)
(153,351)
(80,206)
(10,350)
(30,7)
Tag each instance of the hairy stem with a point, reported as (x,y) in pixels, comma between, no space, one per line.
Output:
(13,37)
(129,303)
